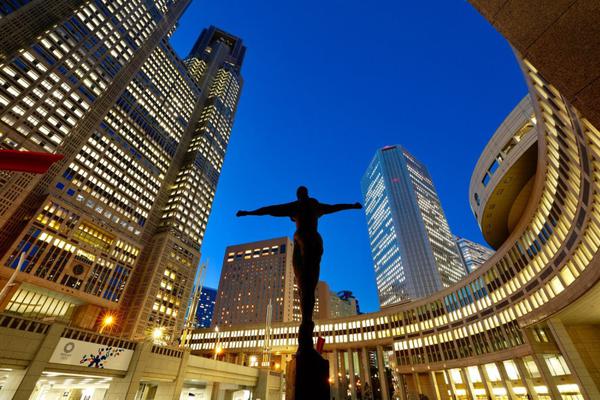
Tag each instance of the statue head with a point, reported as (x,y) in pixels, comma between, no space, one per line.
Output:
(302,193)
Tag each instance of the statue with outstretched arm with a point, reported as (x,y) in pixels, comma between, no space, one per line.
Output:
(308,249)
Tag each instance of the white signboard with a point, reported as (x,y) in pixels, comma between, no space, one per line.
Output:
(91,355)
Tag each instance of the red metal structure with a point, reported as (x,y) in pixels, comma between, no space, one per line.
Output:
(27,161)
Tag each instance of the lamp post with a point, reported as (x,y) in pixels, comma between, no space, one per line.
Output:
(218,348)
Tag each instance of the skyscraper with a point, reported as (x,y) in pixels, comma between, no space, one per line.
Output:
(116,225)
(472,254)
(252,275)
(206,307)
(413,250)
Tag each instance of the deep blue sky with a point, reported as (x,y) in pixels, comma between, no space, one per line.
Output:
(329,82)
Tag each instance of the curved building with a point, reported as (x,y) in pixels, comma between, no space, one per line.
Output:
(523,325)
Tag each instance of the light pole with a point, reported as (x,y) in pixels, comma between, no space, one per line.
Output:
(218,349)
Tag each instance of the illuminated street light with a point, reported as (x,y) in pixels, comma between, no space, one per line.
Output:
(107,321)
(157,334)
(218,348)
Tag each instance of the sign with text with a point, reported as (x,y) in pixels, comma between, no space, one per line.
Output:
(91,355)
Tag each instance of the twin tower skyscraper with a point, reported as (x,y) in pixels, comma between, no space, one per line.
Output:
(115,226)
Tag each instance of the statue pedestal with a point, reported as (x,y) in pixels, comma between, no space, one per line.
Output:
(307,377)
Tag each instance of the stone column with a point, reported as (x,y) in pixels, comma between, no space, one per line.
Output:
(434,384)
(525,379)
(485,379)
(550,380)
(507,382)
(172,390)
(36,366)
(365,370)
(448,377)
(351,375)
(418,387)
(574,360)
(385,393)
(333,372)
(468,383)
(344,383)
(126,388)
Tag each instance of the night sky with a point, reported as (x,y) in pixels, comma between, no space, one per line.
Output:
(329,82)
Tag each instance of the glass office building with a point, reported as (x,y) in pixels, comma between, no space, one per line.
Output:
(413,251)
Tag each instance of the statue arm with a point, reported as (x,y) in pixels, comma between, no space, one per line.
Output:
(333,208)
(279,210)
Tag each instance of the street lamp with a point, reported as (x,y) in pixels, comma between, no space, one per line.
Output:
(218,348)
(157,334)
(107,321)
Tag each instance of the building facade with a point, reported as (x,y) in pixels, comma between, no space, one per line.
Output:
(206,307)
(525,324)
(252,275)
(329,304)
(349,296)
(413,251)
(116,226)
(472,254)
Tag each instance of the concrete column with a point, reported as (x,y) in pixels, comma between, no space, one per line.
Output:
(351,375)
(172,390)
(434,384)
(261,390)
(485,379)
(448,378)
(507,382)
(574,360)
(525,379)
(468,383)
(34,371)
(550,380)
(385,393)
(216,392)
(417,383)
(344,382)
(366,371)
(127,387)
(333,372)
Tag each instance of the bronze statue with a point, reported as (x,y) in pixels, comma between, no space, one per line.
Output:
(308,249)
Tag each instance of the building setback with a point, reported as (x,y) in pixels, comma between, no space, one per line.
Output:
(117,225)
(472,254)
(413,251)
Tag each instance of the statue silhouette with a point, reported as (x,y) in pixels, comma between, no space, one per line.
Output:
(308,249)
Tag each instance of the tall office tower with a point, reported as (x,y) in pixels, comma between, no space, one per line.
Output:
(169,265)
(252,275)
(472,254)
(206,307)
(413,251)
(99,83)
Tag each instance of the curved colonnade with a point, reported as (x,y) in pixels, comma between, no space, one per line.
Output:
(498,333)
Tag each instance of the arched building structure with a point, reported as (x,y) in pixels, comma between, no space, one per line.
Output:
(525,324)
